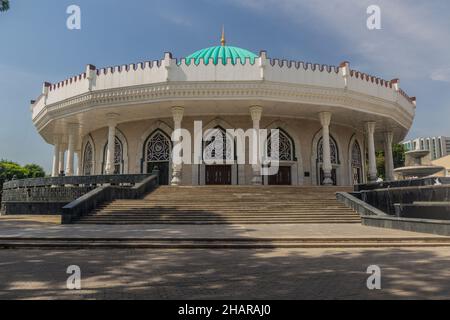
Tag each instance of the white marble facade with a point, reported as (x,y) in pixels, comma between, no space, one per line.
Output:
(134,141)
(333,119)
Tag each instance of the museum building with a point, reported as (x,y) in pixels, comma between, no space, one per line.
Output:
(119,120)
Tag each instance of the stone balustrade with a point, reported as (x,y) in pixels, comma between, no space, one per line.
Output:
(122,179)
(50,195)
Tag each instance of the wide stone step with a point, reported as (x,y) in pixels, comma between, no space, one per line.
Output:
(228,205)
(125,222)
(240,200)
(193,200)
(233,206)
(222,243)
(244,195)
(238,213)
(280,220)
(228,217)
(225,210)
(241,190)
(221,204)
(218,213)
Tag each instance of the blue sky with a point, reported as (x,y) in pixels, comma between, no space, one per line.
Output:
(36,46)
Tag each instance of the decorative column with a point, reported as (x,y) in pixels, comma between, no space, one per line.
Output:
(388,156)
(112,123)
(370,129)
(56,148)
(70,150)
(325,120)
(256,113)
(79,163)
(177,114)
(62,151)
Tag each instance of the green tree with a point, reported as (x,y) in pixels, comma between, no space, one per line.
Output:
(4,5)
(34,171)
(9,170)
(380,164)
(398,155)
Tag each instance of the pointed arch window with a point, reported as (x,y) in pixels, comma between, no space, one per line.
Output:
(334,152)
(356,164)
(286,147)
(88,160)
(157,155)
(118,156)
(217,146)
(157,148)
(356,155)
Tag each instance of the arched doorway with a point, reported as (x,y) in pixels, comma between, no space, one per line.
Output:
(286,157)
(334,155)
(217,152)
(157,152)
(356,164)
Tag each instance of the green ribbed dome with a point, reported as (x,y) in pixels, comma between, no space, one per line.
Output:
(223,53)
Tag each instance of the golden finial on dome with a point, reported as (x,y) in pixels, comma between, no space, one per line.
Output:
(222,40)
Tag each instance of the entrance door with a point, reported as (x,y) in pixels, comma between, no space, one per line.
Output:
(282,178)
(218,175)
(356,175)
(163,168)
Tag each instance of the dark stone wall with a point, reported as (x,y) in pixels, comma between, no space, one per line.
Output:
(401,183)
(50,195)
(45,200)
(414,225)
(32,208)
(47,194)
(434,211)
(88,202)
(384,199)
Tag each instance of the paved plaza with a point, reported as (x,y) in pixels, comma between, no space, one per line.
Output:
(275,273)
(33,229)
(226,274)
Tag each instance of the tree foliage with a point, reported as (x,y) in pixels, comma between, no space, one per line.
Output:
(398,154)
(4,5)
(34,171)
(10,170)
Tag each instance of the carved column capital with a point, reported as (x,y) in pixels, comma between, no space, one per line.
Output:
(325,118)
(370,127)
(256,112)
(112,119)
(177,114)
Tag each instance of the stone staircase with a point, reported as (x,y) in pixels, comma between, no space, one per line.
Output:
(228,205)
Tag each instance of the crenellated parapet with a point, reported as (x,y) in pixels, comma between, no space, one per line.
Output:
(258,70)
(303,65)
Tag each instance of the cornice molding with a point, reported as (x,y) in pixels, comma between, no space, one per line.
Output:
(251,90)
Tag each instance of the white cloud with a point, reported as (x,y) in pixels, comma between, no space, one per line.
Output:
(177,19)
(411,44)
(442,74)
